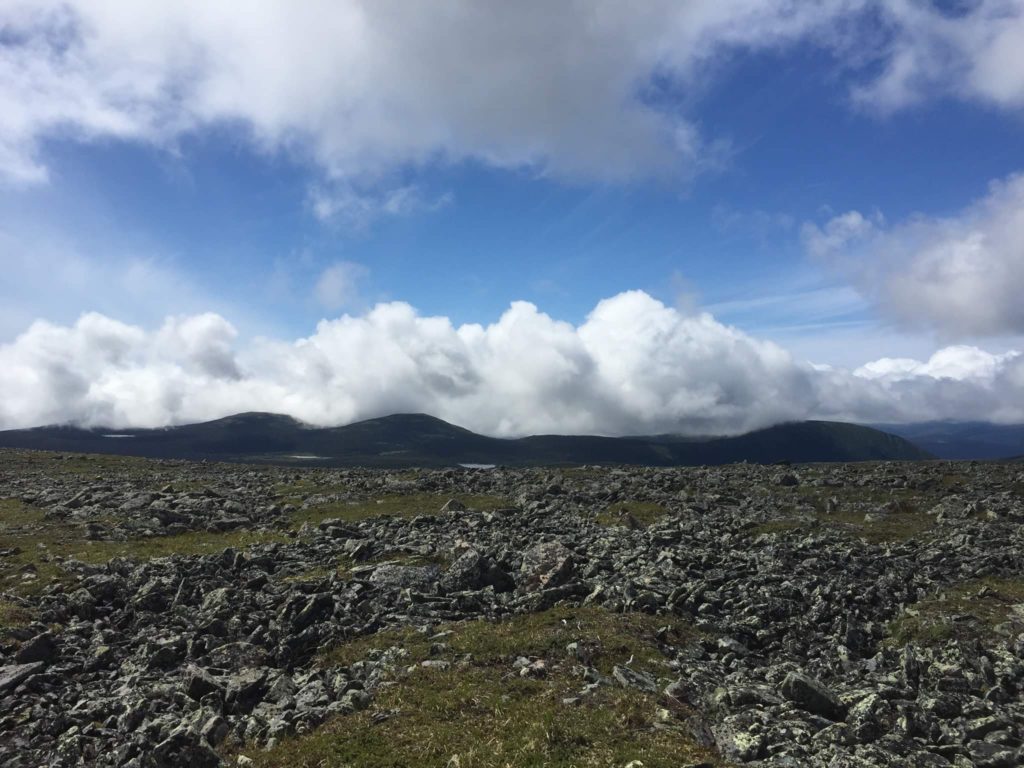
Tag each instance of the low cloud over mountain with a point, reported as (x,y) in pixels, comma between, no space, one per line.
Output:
(635,366)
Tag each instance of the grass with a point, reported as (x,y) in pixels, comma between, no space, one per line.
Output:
(84,464)
(296,491)
(13,615)
(889,529)
(963,612)
(395,505)
(41,544)
(894,527)
(905,521)
(632,514)
(478,713)
(612,638)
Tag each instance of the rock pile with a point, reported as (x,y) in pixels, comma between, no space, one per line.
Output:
(797,596)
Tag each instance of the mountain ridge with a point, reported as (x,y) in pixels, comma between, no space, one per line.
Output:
(418,439)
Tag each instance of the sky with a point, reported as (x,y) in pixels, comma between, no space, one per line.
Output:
(580,216)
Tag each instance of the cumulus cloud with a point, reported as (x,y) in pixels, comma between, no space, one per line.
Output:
(959,383)
(633,366)
(962,275)
(367,88)
(959,363)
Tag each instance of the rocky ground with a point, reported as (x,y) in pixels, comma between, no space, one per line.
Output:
(165,613)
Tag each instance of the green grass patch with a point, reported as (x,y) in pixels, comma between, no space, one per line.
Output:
(607,638)
(13,615)
(479,713)
(189,543)
(395,505)
(16,515)
(632,514)
(966,611)
(39,545)
(893,527)
(86,464)
(297,491)
(897,514)
(481,718)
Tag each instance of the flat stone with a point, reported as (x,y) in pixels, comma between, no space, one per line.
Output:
(13,675)
(630,678)
(42,647)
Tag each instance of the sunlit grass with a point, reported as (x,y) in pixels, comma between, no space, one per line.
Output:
(969,610)
(632,514)
(394,505)
(478,713)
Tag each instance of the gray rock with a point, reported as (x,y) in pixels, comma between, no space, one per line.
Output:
(546,565)
(811,695)
(42,647)
(630,678)
(13,675)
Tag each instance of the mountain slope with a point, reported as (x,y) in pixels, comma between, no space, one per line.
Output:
(963,440)
(422,440)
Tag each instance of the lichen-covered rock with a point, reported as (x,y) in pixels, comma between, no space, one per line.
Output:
(545,566)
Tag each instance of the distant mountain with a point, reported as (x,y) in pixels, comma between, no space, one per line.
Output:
(421,440)
(963,439)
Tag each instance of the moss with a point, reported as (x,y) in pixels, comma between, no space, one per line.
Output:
(475,714)
(965,611)
(634,514)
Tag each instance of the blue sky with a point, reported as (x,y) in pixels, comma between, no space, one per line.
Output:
(706,158)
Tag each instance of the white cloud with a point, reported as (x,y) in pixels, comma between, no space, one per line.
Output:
(959,383)
(359,209)
(975,53)
(365,89)
(338,285)
(961,276)
(634,366)
(961,363)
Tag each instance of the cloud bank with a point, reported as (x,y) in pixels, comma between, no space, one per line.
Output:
(634,366)
(365,89)
(962,275)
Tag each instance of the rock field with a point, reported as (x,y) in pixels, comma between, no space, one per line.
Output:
(174,614)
